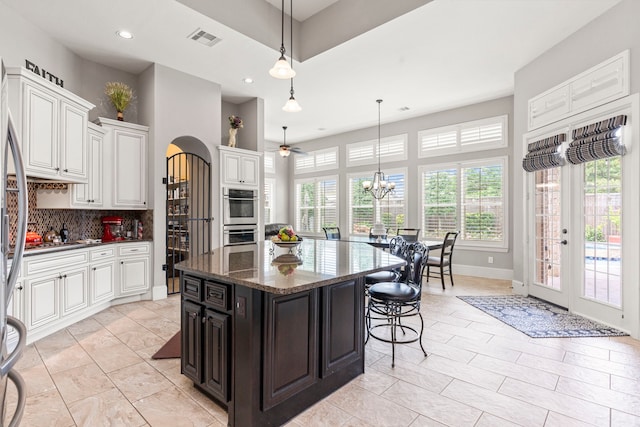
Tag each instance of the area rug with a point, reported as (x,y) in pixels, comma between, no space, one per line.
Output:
(537,318)
(170,350)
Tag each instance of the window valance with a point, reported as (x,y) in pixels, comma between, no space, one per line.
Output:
(597,141)
(544,154)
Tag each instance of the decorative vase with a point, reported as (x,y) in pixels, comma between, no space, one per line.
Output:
(232,137)
(120,116)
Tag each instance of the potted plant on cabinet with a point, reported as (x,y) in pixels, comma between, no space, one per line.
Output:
(120,95)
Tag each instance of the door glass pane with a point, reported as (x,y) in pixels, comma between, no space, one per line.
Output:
(602,231)
(548,233)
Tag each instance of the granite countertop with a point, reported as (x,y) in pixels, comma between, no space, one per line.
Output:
(39,250)
(273,269)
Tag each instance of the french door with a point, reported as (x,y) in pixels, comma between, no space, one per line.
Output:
(583,230)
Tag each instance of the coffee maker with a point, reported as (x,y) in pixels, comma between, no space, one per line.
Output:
(112,229)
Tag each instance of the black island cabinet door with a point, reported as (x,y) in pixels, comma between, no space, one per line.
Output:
(192,341)
(216,354)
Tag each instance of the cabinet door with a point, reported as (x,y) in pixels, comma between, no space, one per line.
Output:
(14,308)
(130,169)
(134,276)
(75,290)
(231,164)
(90,194)
(42,301)
(249,170)
(102,281)
(191,337)
(216,354)
(73,142)
(40,132)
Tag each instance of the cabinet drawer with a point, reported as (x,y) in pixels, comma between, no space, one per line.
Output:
(192,288)
(217,295)
(102,253)
(133,249)
(42,263)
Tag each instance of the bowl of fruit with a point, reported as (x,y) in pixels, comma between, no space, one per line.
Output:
(286,238)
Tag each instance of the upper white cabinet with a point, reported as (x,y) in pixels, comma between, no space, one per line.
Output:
(90,194)
(52,125)
(127,161)
(239,168)
(598,85)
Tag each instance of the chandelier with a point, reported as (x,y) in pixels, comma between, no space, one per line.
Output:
(379,187)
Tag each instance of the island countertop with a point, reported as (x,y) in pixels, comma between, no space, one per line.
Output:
(267,267)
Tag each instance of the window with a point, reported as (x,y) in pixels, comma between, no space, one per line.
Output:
(269,200)
(392,148)
(319,160)
(269,162)
(470,136)
(316,204)
(470,197)
(363,209)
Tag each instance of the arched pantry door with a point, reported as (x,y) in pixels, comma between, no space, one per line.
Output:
(188,212)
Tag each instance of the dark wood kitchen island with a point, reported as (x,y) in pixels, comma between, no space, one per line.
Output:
(268,335)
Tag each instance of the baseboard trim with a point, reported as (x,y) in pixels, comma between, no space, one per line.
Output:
(486,272)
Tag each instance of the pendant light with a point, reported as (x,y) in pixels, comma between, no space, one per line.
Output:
(292,105)
(380,186)
(282,69)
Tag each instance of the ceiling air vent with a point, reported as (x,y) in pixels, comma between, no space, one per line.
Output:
(204,38)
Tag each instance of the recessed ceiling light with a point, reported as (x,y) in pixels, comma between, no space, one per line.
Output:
(321,129)
(124,34)
(404,108)
(247,80)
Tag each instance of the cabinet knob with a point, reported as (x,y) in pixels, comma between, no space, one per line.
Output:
(57,169)
(66,170)
(193,315)
(19,288)
(121,262)
(94,269)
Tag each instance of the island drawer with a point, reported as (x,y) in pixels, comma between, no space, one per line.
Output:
(217,295)
(192,287)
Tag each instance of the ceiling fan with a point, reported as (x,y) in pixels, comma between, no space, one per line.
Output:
(285,150)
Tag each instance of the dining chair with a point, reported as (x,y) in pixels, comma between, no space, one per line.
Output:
(443,262)
(409,234)
(390,302)
(332,233)
(397,247)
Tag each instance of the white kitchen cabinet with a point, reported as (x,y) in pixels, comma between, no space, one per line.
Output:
(89,195)
(74,285)
(42,299)
(102,274)
(64,287)
(134,265)
(239,168)
(51,123)
(127,143)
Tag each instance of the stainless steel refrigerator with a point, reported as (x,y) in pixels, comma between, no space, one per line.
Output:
(10,159)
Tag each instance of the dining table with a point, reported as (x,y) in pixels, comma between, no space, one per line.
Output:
(384,242)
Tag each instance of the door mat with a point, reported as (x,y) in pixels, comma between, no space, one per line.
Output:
(538,318)
(170,350)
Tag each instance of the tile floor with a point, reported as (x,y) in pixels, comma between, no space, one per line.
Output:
(479,372)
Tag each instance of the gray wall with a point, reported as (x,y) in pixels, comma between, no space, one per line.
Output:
(606,36)
(20,40)
(502,261)
(178,105)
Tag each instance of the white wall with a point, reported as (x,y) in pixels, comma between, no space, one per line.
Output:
(606,36)
(503,262)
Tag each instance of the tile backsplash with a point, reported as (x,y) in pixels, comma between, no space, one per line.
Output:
(81,223)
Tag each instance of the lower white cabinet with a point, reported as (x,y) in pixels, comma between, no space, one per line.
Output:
(74,285)
(43,301)
(134,268)
(102,282)
(64,287)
